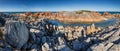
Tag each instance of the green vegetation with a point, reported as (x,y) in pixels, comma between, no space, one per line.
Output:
(81,11)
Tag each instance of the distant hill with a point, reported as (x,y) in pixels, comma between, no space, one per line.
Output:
(81,11)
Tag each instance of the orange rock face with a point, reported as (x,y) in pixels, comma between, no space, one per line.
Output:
(28,13)
(117,15)
(91,29)
(68,17)
(107,15)
(35,14)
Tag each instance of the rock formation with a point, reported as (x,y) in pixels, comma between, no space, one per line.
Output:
(2,22)
(108,15)
(66,17)
(26,34)
(16,34)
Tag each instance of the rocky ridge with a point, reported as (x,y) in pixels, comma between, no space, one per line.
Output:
(66,17)
(41,35)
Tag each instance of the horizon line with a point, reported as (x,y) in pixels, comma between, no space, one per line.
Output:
(59,11)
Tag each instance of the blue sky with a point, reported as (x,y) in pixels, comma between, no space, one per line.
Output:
(59,5)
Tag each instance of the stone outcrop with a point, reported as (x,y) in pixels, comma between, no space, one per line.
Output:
(117,15)
(63,38)
(115,47)
(90,29)
(108,15)
(35,33)
(66,17)
(16,34)
(2,22)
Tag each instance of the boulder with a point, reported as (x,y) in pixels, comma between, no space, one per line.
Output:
(76,45)
(6,49)
(45,47)
(44,39)
(90,29)
(32,37)
(16,34)
(2,22)
(66,48)
(4,46)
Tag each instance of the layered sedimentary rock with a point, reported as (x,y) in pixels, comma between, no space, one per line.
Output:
(117,15)
(67,17)
(107,15)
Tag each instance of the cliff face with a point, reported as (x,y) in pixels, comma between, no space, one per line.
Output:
(92,17)
(107,15)
(68,17)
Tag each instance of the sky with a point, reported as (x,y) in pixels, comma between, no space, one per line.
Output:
(59,5)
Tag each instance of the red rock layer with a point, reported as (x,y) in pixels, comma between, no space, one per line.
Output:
(66,16)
